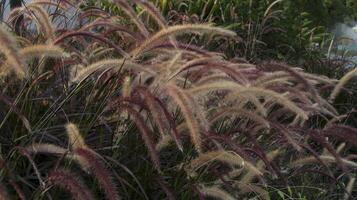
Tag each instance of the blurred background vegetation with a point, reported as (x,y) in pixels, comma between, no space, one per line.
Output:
(291,31)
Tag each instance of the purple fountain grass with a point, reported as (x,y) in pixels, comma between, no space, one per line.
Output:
(275,66)
(153,11)
(89,160)
(91,35)
(342,132)
(126,7)
(13,59)
(160,115)
(183,101)
(243,130)
(68,181)
(145,134)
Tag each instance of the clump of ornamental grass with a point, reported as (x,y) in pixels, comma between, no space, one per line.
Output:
(155,108)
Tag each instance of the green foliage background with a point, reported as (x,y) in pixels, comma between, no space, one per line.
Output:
(296,29)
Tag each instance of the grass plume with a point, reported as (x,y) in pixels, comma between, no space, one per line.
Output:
(178,30)
(10,50)
(41,50)
(183,101)
(74,137)
(341,83)
(68,181)
(90,161)
(116,64)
